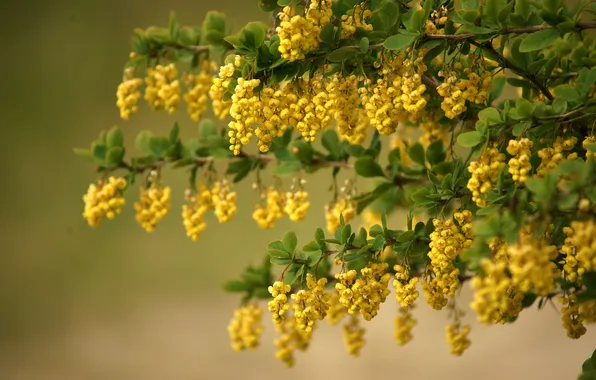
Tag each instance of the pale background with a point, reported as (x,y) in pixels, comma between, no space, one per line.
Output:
(118,303)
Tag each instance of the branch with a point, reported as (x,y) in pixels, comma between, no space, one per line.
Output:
(511,66)
(512,30)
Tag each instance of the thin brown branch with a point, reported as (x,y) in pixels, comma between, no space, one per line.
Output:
(508,30)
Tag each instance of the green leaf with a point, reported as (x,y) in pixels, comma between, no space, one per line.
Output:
(566,92)
(388,14)
(398,41)
(406,236)
(364,43)
(435,152)
(378,244)
(288,168)
(331,142)
(342,54)
(497,88)
(142,141)
(114,137)
(235,286)
(469,139)
(158,146)
(115,155)
(85,153)
(289,241)
(524,107)
(416,153)
(490,115)
(538,40)
(253,34)
(174,27)
(99,152)
(367,167)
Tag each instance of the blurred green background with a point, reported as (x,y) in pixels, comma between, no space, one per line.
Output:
(118,303)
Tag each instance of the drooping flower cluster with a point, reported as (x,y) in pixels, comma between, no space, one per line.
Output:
(551,157)
(571,316)
(162,88)
(219,86)
(404,323)
(579,249)
(193,212)
(496,298)
(245,328)
(297,204)
(198,86)
(446,243)
(223,199)
(344,206)
(398,95)
(485,172)
(457,338)
(432,130)
(154,203)
(355,18)
(456,90)
(343,93)
(104,199)
(291,339)
(437,21)
(519,164)
(365,294)
(128,94)
(267,212)
(279,305)
(310,305)
(354,335)
(405,287)
(531,265)
(299,35)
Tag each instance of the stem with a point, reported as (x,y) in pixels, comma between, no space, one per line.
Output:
(508,30)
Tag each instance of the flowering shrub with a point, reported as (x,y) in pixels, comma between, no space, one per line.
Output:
(500,192)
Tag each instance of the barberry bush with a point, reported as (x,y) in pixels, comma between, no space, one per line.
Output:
(404,99)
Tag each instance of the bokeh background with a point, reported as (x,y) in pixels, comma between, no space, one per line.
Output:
(118,303)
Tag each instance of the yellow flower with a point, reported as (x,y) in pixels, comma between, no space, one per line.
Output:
(153,205)
(457,337)
(354,336)
(404,323)
(245,328)
(104,200)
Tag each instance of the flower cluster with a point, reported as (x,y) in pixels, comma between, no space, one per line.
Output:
(446,243)
(579,249)
(223,199)
(437,21)
(310,305)
(267,212)
(398,95)
(519,164)
(154,203)
(456,91)
(291,339)
(531,265)
(457,337)
(404,323)
(365,294)
(296,204)
(496,298)
(551,157)
(571,316)
(162,88)
(104,200)
(193,212)
(219,86)
(485,172)
(357,17)
(354,335)
(589,140)
(405,287)
(279,305)
(128,94)
(299,35)
(245,328)
(344,206)
(198,86)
